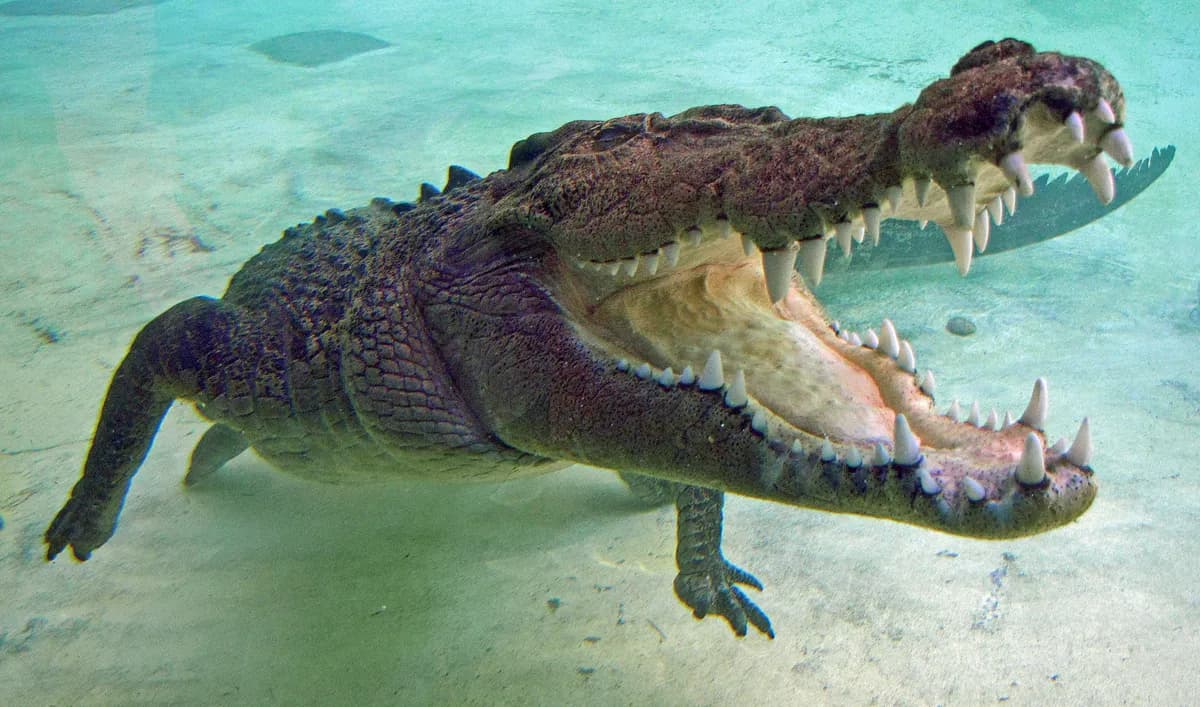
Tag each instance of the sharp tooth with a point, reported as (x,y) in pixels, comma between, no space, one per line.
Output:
(855,339)
(961,244)
(1014,168)
(778,266)
(723,228)
(858,231)
(1032,467)
(871,339)
(650,263)
(1074,124)
(1105,112)
(827,453)
(1008,420)
(995,208)
(1009,197)
(643,371)
(1059,446)
(894,196)
(688,376)
(735,396)
(613,268)
(929,485)
(854,458)
(907,359)
(982,231)
(973,490)
(1116,144)
(695,235)
(758,422)
(666,378)
(923,223)
(973,416)
(622,364)
(929,384)
(844,233)
(797,448)
(629,267)
(748,246)
(962,204)
(992,420)
(671,253)
(921,187)
(812,260)
(871,218)
(907,446)
(954,412)
(881,456)
(1100,177)
(1080,453)
(713,375)
(1039,403)
(889,343)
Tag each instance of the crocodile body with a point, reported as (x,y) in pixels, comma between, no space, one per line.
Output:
(593,303)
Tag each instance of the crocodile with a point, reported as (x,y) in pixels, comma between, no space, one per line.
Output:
(636,294)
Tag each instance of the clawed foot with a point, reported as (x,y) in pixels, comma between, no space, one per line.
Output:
(82,526)
(714,590)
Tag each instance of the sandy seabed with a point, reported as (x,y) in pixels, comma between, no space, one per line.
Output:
(145,154)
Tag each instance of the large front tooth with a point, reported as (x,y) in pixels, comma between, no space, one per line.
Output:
(713,375)
(844,233)
(1074,125)
(929,384)
(889,343)
(812,260)
(921,187)
(1105,113)
(1032,467)
(1009,197)
(671,253)
(1014,168)
(962,204)
(982,230)
(1080,453)
(907,359)
(736,396)
(1039,403)
(995,208)
(961,243)
(778,266)
(748,245)
(1100,177)
(894,195)
(907,446)
(1116,144)
(872,215)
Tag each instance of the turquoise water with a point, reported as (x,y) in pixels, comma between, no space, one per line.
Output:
(144,154)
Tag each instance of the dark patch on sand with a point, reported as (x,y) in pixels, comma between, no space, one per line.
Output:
(317,47)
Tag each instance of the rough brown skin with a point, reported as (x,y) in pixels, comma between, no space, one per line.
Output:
(472,337)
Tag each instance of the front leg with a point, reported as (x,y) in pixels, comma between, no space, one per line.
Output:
(707,582)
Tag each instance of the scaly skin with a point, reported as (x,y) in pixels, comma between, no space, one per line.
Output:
(501,327)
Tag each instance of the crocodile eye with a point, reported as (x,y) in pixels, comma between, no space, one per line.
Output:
(611,136)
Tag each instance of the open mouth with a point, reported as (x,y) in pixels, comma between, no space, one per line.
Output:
(716,311)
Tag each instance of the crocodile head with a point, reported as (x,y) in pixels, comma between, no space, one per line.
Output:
(677,241)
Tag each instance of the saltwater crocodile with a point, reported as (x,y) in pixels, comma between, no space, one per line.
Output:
(625,295)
